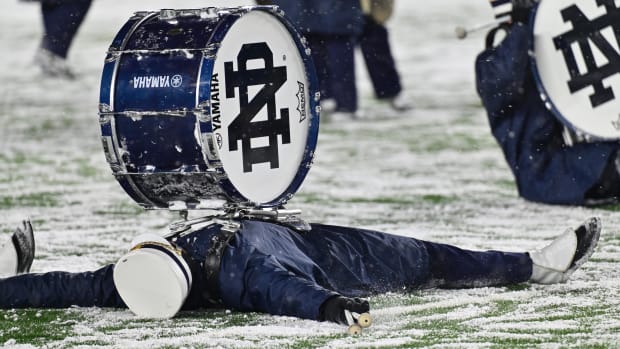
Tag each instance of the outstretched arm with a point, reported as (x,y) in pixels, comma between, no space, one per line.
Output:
(272,288)
(60,290)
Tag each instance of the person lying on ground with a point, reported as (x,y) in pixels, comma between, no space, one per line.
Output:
(266,267)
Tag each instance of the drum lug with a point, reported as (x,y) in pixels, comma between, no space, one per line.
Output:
(202,111)
(167,14)
(203,116)
(208,12)
(104,108)
(210,204)
(139,14)
(210,51)
(105,115)
(177,206)
(113,54)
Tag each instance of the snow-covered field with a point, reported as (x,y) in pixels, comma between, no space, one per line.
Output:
(434,173)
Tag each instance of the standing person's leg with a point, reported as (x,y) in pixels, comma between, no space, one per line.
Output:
(61,21)
(381,67)
(341,70)
(375,47)
(319,58)
(60,290)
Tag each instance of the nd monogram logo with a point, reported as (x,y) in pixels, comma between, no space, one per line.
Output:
(243,128)
(585,31)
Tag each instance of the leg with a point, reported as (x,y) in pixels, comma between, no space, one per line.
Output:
(61,20)
(363,262)
(452,267)
(607,189)
(60,290)
(380,64)
(319,56)
(341,72)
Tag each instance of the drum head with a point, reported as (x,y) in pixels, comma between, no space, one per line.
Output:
(576,63)
(262,108)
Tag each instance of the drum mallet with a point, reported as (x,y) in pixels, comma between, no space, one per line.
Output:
(462,32)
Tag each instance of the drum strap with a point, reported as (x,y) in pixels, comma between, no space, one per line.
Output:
(213,260)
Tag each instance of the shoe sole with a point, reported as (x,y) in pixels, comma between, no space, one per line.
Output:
(593,233)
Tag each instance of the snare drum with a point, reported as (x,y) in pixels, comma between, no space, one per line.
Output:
(206,105)
(576,64)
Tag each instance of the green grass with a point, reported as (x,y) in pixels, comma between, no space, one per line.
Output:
(36,326)
(435,173)
(42,199)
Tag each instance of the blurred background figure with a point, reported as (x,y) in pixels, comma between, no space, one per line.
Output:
(375,46)
(332,29)
(61,21)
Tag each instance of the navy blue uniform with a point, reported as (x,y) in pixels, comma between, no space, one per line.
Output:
(546,169)
(61,21)
(273,269)
(375,46)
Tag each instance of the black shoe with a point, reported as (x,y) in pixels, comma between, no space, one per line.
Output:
(23,241)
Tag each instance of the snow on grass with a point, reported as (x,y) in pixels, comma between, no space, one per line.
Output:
(433,173)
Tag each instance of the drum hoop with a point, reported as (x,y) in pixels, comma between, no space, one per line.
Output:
(549,104)
(311,140)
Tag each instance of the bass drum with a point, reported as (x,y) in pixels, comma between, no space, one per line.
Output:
(576,64)
(204,106)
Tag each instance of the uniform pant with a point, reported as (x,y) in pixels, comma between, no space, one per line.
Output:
(375,47)
(333,57)
(61,20)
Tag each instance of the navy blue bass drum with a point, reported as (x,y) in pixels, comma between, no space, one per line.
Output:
(208,105)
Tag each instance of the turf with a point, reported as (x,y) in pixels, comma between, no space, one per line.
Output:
(433,173)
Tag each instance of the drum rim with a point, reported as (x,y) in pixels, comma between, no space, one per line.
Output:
(313,120)
(544,95)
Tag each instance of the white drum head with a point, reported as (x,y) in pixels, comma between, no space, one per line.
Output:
(577,64)
(260,107)
(151,283)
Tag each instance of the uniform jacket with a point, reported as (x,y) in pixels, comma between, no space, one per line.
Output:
(545,168)
(271,268)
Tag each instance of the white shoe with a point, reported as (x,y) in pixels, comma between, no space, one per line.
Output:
(328,105)
(400,103)
(342,116)
(53,65)
(557,261)
(17,254)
